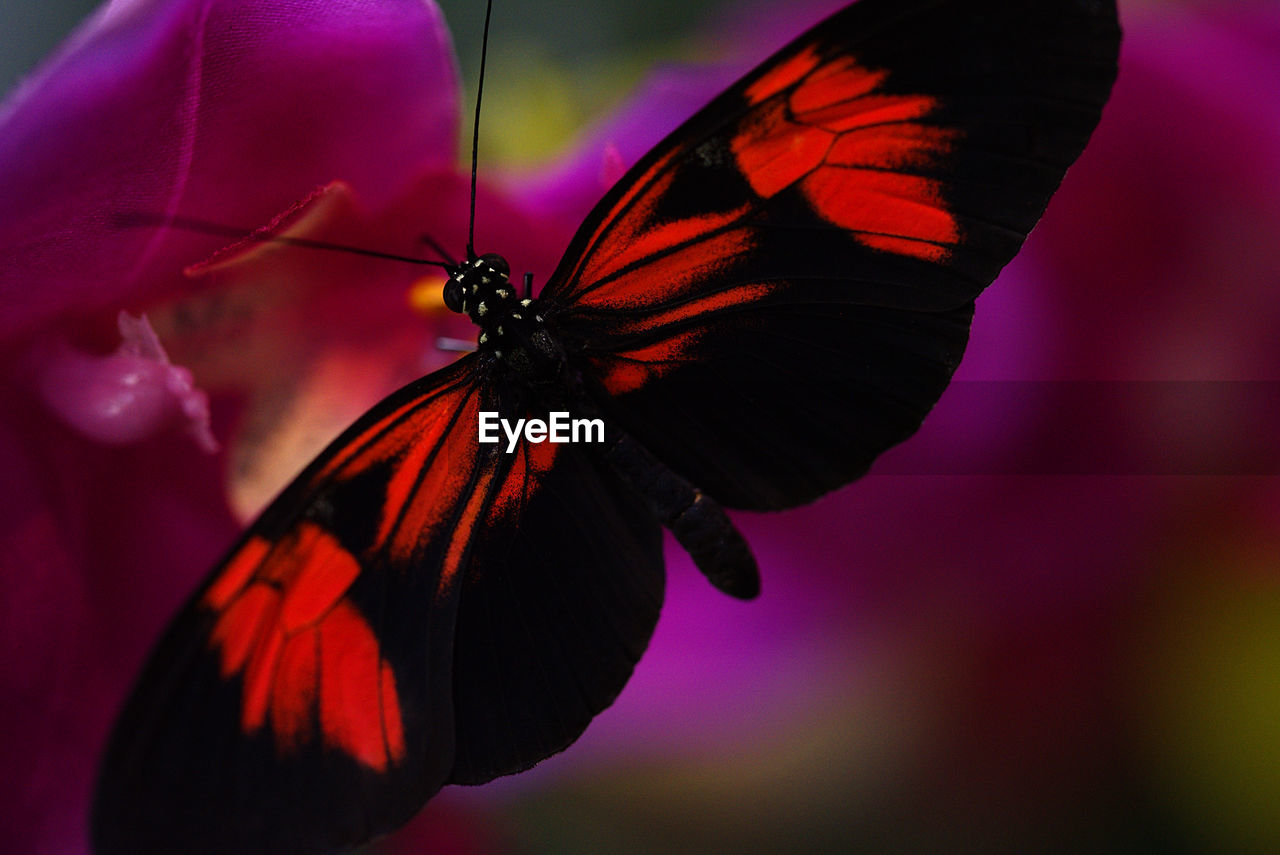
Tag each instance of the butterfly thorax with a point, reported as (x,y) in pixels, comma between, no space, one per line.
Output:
(511,330)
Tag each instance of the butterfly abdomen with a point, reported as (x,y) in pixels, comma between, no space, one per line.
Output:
(699,524)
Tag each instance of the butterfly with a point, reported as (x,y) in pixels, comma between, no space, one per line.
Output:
(775,294)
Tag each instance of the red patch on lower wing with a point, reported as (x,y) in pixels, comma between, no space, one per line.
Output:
(463,530)
(294,690)
(305,654)
(236,633)
(532,461)
(258,677)
(353,689)
(318,584)
(237,572)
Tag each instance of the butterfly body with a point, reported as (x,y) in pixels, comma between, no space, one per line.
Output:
(511,329)
(532,376)
(775,294)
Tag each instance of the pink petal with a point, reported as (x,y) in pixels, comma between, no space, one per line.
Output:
(220,110)
(126,396)
(100,549)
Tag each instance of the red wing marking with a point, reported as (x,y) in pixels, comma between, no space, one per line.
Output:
(236,573)
(629,371)
(885,204)
(642,237)
(532,461)
(835,84)
(406,478)
(633,223)
(294,692)
(842,145)
(698,308)
(782,76)
(258,675)
(306,654)
(311,594)
(397,431)
(891,146)
(429,478)
(658,239)
(241,625)
(677,274)
(780,153)
(464,529)
(356,688)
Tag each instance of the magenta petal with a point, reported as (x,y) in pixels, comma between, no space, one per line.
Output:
(225,111)
(126,396)
(101,546)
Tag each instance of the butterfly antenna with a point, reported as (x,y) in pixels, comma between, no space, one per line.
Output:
(475,132)
(191,224)
(440,250)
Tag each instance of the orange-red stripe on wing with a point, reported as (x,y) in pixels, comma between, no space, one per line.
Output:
(836,83)
(629,371)
(841,145)
(353,689)
(782,75)
(324,572)
(305,653)
(888,203)
(236,573)
(294,692)
(419,500)
(259,675)
(238,628)
(680,273)
(774,153)
(907,145)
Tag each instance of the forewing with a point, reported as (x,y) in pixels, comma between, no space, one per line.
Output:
(416,608)
(788,279)
(301,701)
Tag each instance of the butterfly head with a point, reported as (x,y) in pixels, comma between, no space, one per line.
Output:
(510,327)
(478,286)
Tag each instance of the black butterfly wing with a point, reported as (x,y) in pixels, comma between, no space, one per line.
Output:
(783,287)
(415,608)
(561,599)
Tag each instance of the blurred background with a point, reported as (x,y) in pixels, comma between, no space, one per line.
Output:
(1051,621)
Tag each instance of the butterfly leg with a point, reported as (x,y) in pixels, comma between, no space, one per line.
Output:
(698,522)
